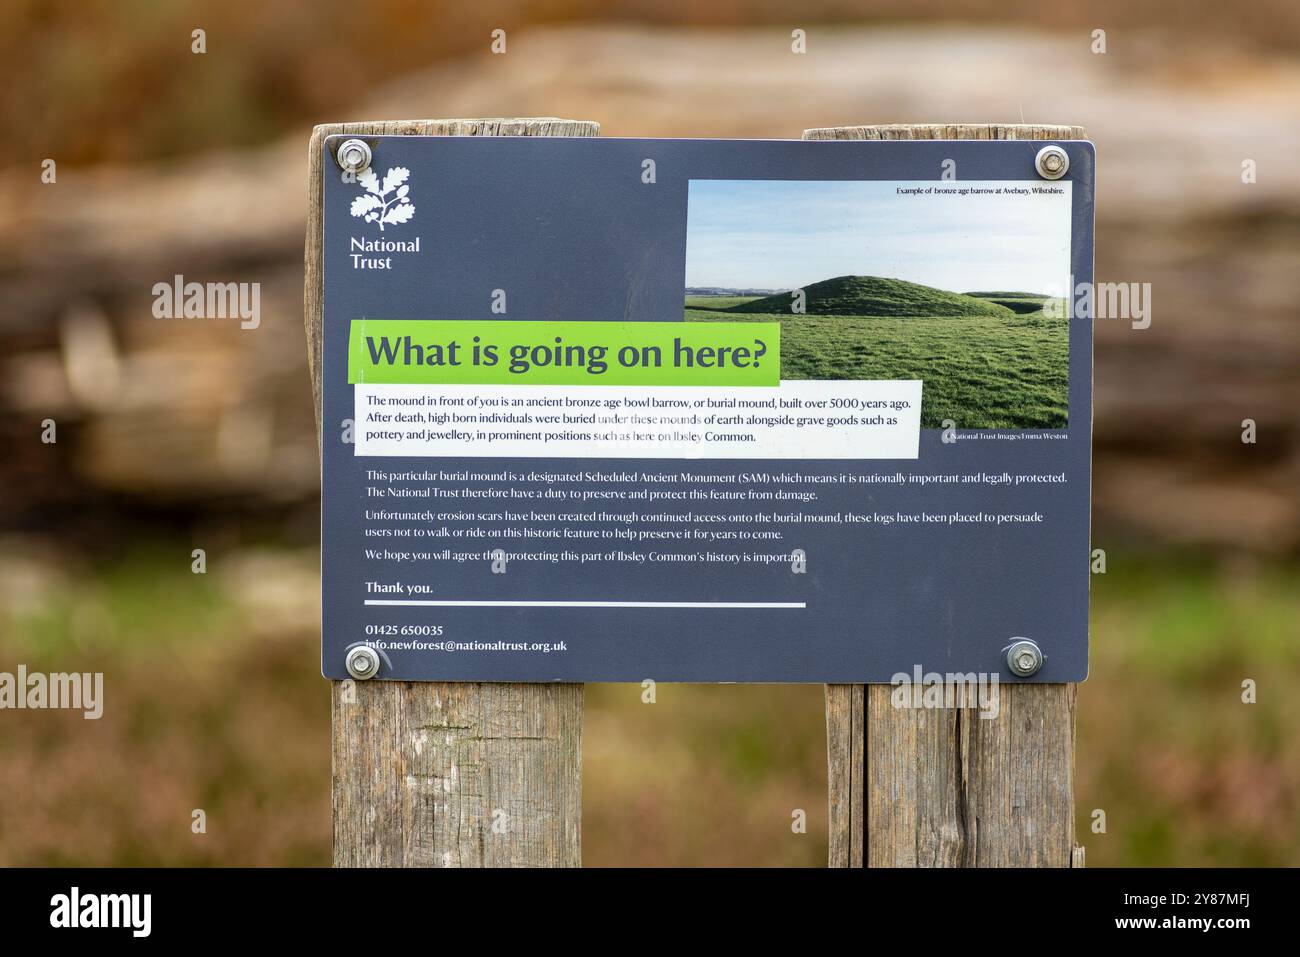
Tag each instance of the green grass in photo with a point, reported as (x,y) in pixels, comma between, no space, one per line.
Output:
(989,360)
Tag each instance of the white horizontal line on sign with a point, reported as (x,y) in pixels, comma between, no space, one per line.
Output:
(593,604)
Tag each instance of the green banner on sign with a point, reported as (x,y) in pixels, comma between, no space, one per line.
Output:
(509,352)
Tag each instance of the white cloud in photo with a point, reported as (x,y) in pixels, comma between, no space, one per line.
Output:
(787,234)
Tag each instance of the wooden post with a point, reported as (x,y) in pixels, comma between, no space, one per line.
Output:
(432,774)
(921,788)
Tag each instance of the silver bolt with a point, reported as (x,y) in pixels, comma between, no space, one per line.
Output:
(1024,657)
(362,662)
(354,155)
(1052,162)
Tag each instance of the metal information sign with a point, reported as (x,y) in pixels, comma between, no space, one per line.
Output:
(701,410)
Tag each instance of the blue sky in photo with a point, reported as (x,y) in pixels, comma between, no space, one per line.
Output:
(786,234)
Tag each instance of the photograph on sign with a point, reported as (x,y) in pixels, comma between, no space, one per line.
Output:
(699,410)
(750,242)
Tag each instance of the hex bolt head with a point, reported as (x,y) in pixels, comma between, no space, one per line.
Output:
(1052,162)
(1024,657)
(362,662)
(354,155)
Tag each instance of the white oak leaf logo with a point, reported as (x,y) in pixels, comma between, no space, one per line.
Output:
(364,204)
(386,204)
(398,214)
(395,178)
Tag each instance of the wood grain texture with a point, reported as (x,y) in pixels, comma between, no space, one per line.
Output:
(434,774)
(431,774)
(845,755)
(946,788)
(948,131)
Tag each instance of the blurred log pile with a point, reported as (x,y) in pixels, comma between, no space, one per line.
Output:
(201,415)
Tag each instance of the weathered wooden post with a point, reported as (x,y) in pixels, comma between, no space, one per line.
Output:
(434,774)
(941,788)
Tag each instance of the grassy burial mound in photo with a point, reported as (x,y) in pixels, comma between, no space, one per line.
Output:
(984,364)
(873,296)
(1024,303)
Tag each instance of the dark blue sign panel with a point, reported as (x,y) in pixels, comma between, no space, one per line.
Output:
(694,410)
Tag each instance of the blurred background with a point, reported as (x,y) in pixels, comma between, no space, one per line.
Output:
(182,435)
